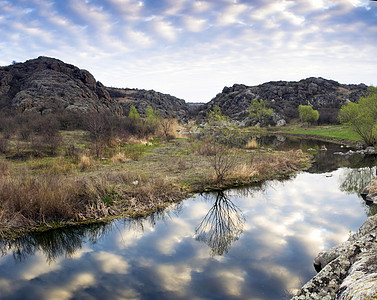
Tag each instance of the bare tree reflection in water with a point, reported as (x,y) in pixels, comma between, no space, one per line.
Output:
(53,243)
(222,225)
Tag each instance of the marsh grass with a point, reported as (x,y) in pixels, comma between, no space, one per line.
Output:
(252,143)
(139,176)
(29,200)
(119,158)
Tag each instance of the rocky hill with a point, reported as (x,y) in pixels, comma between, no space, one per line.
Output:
(166,105)
(284,97)
(46,84)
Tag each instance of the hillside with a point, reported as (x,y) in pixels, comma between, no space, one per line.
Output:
(46,85)
(284,97)
(166,105)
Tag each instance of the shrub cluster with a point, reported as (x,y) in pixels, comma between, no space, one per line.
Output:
(31,134)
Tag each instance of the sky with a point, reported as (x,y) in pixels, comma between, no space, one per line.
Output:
(192,49)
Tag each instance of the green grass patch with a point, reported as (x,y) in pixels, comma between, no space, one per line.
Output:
(338,132)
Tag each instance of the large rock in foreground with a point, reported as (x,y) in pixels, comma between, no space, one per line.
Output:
(46,85)
(349,270)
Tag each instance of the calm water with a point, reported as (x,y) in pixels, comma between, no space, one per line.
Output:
(255,243)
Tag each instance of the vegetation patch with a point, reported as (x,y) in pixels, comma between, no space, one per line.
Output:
(97,174)
(336,132)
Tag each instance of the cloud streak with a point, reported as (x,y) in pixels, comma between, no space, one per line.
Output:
(249,41)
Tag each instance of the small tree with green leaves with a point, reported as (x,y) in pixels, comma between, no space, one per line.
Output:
(362,116)
(133,114)
(258,110)
(308,114)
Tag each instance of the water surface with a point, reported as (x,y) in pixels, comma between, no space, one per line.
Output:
(249,243)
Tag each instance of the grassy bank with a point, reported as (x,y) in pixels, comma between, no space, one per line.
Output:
(131,178)
(336,133)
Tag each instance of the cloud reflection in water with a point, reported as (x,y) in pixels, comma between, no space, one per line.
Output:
(256,244)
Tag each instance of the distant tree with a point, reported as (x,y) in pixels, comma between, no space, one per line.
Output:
(258,110)
(362,116)
(308,114)
(133,114)
(150,115)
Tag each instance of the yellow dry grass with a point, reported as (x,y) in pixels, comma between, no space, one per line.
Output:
(252,144)
(86,162)
(119,158)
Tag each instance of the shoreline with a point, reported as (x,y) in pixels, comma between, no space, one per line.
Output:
(348,270)
(179,192)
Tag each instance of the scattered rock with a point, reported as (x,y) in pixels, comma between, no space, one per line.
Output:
(347,271)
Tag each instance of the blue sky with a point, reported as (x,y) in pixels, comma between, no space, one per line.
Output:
(192,49)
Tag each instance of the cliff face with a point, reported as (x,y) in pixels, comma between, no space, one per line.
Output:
(284,97)
(46,85)
(166,105)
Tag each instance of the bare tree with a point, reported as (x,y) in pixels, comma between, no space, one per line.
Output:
(223,160)
(222,225)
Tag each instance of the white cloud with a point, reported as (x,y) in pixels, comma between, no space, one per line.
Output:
(194,24)
(140,38)
(277,12)
(231,281)
(175,277)
(39,266)
(231,14)
(179,229)
(164,29)
(175,6)
(130,10)
(79,281)
(201,6)
(111,263)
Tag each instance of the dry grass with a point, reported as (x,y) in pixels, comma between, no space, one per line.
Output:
(281,163)
(252,144)
(119,158)
(28,200)
(138,141)
(50,190)
(86,162)
(5,168)
(244,171)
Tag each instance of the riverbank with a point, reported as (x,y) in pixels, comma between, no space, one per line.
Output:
(348,270)
(331,133)
(43,193)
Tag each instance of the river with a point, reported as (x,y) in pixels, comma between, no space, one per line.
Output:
(248,243)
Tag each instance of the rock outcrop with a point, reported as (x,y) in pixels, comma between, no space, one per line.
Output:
(347,271)
(46,85)
(166,105)
(284,97)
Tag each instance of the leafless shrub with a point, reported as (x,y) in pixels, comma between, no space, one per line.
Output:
(222,161)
